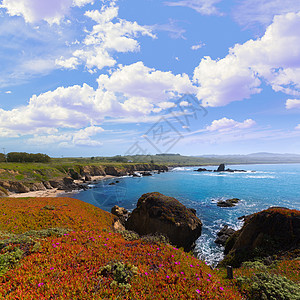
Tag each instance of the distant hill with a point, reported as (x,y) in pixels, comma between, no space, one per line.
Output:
(259,157)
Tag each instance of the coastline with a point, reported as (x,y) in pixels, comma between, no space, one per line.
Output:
(56,192)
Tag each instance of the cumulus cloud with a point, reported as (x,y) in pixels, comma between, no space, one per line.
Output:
(226,124)
(292,103)
(129,93)
(136,81)
(107,36)
(251,12)
(204,7)
(273,58)
(51,11)
(81,137)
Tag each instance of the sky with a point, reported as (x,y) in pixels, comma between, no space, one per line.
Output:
(101,78)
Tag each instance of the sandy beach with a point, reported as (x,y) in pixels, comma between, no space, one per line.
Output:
(55,192)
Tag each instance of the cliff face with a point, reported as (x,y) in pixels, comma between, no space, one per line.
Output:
(157,213)
(271,232)
(66,180)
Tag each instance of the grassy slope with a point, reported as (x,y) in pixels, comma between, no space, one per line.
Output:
(67,267)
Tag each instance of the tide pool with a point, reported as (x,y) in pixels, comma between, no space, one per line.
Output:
(269,185)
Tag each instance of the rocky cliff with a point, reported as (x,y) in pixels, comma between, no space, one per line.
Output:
(66,180)
(275,231)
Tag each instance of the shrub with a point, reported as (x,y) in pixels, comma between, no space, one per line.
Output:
(254,265)
(27,157)
(129,235)
(9,259)
(264,286)
(121,273)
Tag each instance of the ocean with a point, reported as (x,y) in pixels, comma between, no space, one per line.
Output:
(261,187)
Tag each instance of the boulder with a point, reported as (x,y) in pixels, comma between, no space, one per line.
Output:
(47,185)
(274,231)
(157,213)
(37,186)
(224,234)
(121,213)
(18,187)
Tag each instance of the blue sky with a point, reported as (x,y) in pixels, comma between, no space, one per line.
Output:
(92,78)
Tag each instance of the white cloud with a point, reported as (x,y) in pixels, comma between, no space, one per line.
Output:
(292,103)
(130,93)
(8,92)
(274,58)
(297,127)
(70,63)
(226,124)
(81,137)
(33,11)
(251,12)
(81,3)
(107,36)
(140,82)
(51,11)
(198,46)
(204,7)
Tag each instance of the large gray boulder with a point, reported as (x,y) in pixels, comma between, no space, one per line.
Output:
(157,213)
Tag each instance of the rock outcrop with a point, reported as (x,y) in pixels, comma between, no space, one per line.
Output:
(221,168)
(202,170)
(224,234)
(228,203)
(121,213)
(274,231)
(82,174)
(157,213)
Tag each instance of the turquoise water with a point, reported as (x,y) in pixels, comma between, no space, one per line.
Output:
(269,185)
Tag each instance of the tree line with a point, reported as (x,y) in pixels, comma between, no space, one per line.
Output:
(24,157)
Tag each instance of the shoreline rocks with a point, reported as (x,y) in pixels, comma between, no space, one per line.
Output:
(77,178)
(121,213)
(157,213)
(224,234)
(274,231)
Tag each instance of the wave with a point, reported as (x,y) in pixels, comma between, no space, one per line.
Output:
(261,177)
(181,169)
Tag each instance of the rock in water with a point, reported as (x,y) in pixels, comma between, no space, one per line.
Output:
(224,234)
(228,203)
(221,168)
(274,231)
(157,213)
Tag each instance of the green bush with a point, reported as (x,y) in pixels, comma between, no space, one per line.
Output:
(9,259)
(27,157)
(264,286)
(254,265)
(120,273)
(129,235)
